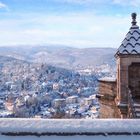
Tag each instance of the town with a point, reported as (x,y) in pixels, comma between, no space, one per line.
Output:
(39,90)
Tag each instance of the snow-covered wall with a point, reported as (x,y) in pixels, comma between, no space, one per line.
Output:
(69,126)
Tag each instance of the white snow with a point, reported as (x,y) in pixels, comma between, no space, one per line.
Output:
(69,138)
(69,125)
(5,113)
(108,79)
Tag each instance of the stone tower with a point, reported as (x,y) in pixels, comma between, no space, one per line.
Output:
(128,68)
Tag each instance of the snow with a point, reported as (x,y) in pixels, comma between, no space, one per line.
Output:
(70,138)
(68,125)
(5,113)
(108,79)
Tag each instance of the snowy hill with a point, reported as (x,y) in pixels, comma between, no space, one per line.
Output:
(66,57)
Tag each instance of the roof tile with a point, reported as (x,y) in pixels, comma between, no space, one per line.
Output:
(131,42)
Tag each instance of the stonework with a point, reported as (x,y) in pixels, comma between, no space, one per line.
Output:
(126,90)
(128,68)
(107,89)
(125,78)
(108,109)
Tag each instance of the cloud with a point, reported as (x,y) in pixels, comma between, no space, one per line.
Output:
(135,3)
(80,30)
(2,5)
(83,2)
(74,1)
(78,1)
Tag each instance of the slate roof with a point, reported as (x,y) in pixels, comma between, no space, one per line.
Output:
(131,43)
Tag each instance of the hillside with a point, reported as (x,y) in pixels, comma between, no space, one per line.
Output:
(61,56)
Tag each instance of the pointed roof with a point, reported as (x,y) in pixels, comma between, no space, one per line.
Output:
(131,43)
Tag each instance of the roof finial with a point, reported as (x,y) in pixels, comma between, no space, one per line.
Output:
(134,22)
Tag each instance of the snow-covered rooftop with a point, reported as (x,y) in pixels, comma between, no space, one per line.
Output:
(131,43)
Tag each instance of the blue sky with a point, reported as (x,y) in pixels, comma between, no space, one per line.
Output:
(77,23)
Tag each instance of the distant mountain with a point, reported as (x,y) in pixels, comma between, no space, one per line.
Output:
(11,60)
(61,56)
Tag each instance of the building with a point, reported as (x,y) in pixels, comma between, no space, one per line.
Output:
(127,97)
(128,70)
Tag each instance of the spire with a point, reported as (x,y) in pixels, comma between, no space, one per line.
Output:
(134,22)
(131,42)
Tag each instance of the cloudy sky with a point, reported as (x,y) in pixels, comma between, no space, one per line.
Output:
(79,23)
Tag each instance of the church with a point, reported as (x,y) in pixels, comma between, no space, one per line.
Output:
(125,89)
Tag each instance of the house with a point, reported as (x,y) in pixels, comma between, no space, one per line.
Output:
(57,103)
(72,99)
(10,102)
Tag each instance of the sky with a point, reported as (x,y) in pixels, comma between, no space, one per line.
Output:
(75,23)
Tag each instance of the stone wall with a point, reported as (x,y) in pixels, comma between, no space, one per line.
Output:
(107,89)
(108,108)
(123,63)
(134,79)
(124,80)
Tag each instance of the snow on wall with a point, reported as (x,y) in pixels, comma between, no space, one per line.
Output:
(70,138)
(13,125)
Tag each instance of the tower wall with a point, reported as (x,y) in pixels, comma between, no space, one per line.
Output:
(123,63)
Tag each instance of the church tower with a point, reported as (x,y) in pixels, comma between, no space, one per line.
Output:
(128,69)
